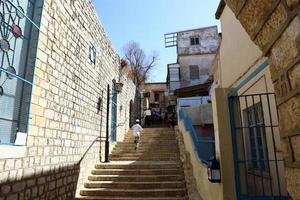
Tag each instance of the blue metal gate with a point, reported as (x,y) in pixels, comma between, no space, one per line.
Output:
(114,114)
(19,31)
(259,165)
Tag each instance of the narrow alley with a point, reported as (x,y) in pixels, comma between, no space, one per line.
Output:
(149,100)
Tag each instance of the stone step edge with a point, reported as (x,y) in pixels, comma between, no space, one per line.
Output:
(137,183)
(132,190)
(130,198)
(89,184)
(134,170)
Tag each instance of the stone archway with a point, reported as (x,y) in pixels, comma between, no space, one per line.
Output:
(274,25)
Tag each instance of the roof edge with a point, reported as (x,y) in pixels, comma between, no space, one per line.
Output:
(195,29)
(220,9)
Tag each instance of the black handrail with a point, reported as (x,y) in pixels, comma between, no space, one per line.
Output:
(107,125)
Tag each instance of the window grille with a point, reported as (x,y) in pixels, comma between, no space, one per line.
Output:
(19,29)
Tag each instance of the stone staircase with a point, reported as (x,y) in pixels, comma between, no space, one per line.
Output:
(153,172)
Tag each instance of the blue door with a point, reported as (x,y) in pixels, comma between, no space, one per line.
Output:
(114,114)
(259,166)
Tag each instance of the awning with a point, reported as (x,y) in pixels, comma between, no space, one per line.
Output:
(195,90)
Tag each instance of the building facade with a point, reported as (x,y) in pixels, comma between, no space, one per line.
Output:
(250,100)
(275,30)
(156,96)
(247,126)
(196,50)
(55,73)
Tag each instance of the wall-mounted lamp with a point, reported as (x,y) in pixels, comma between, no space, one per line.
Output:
(119,87)
(213,170)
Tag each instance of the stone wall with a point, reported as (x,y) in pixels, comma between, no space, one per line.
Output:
(274,25)
(185,157)
(64,118)
(203,62)
(208,41)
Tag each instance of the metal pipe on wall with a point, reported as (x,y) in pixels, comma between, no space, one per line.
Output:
(107,125)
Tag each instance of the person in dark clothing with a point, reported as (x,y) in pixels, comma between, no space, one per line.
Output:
(172,120)
(147,115)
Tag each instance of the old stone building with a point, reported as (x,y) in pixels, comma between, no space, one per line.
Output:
(155,96)
(274,27)
(255,104)
(196,50)
(57,69)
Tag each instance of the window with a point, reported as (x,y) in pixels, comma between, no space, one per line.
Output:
(92,55)
(195,41)
(194,72)
(156,97)
(18,44)
(174,74)
(257,137)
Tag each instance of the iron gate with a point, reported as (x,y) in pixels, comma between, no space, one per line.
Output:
(114,114)
(259,165)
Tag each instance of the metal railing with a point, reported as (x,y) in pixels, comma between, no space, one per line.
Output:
(204,146)
(259,166)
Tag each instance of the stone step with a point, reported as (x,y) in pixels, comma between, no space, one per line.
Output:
(149,144)
(171,135)
(135,171)
(144,158)
(147,148)
(132,198)
(145,154)
(152,140)
(152,136)
(135,185)
(138,165)
(153,146)
(169,192)
(134,178)
(142,152)
(130,150)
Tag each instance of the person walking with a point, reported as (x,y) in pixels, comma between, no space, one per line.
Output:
(147,115)
(137,130)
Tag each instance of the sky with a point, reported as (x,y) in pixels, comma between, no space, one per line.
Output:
(146,22)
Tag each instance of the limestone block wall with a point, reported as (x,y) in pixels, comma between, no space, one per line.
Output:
(203,62)
(64,118)
(274,25)
(208,41)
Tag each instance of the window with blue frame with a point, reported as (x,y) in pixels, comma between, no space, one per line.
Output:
(92,55)
(258,151)
(19,29)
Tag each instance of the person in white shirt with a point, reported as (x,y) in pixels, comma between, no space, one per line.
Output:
(147,115)
(137,130)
